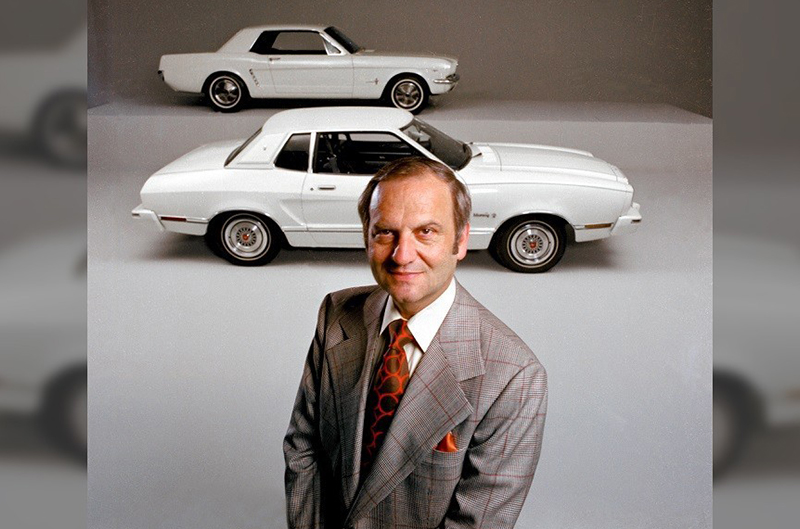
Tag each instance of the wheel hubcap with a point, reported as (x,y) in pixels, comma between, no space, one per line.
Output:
(225,92)
(407,94)
(246,238)
(533,244)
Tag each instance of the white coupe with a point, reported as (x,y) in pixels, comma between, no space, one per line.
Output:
(297,180)
(314,62)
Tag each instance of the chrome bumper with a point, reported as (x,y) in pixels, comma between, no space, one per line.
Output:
(629,222)
(148,214)
(451,79)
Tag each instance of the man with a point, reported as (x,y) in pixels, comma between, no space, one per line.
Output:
(417,406)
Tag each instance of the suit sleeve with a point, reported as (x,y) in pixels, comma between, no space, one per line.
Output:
(301,446)
(501,459)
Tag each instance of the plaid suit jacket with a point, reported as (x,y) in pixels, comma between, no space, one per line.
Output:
(477,380)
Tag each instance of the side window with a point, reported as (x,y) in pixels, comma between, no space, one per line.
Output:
(330,48)
(294,154)
(298,43)
(358,152)
(263,44)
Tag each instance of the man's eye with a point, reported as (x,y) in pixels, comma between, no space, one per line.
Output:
(427,231)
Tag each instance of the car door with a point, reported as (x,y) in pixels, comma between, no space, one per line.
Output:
(304,64)
(342,164)
(259,54)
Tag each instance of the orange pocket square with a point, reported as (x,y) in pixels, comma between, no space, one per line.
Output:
(447,444)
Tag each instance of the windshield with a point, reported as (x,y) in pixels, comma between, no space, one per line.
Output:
(241,147)
(454,153)
(343,39)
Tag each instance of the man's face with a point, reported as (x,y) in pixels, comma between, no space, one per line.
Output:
(411,240)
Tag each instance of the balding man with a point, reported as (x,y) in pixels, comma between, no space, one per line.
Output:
(417,406)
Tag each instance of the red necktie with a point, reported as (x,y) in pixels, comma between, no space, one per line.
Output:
(387,389)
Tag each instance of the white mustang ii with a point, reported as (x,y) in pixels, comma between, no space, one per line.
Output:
(297,180)
(314,62)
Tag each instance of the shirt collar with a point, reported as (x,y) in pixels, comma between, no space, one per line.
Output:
(425,324)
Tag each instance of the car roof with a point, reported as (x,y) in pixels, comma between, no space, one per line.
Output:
(337,118)
(287,27)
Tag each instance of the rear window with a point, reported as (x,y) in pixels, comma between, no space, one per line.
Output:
(294,155)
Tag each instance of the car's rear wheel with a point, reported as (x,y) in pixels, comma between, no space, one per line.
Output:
(530,245)
(408,92)
(245,239)
(226,92)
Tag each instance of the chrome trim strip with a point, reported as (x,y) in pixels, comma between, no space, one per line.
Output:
(335,230)
(594,226)
(191,220)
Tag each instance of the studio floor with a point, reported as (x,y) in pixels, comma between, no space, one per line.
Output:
(194,363)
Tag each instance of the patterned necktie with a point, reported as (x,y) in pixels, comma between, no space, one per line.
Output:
(387,389)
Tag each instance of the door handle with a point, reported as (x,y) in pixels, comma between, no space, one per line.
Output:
(327,188)
(274,59)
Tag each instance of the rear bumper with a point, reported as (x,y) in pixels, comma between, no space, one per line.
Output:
(148,216)
(187,225)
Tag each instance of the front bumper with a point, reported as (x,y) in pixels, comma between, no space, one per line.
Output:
(629,222)
(442,86)
(450,79)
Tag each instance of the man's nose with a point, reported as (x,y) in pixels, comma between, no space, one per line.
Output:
(405,252)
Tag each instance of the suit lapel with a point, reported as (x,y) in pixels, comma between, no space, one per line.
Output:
(353,360)
(432,405)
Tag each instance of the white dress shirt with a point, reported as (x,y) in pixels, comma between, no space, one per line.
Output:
(423,325)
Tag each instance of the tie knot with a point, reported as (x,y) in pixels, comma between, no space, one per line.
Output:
(399,333)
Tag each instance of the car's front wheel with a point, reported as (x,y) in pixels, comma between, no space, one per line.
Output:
(245,239)
(408,92)
(226,92)
(530,245)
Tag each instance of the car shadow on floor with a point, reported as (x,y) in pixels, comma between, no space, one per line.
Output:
(589,255)
(197,101)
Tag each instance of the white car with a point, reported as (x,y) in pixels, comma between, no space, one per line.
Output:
(298,178)
(314,62)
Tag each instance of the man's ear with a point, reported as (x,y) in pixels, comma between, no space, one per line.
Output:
(461,243)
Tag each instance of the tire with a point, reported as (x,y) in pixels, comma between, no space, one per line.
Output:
(60,129)
(732,425)
(530,245)
(407,92)
(63,413)
(245,239)
(226,92)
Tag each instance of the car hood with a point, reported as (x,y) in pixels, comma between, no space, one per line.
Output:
(541,158)
(417,55)
(205,157)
